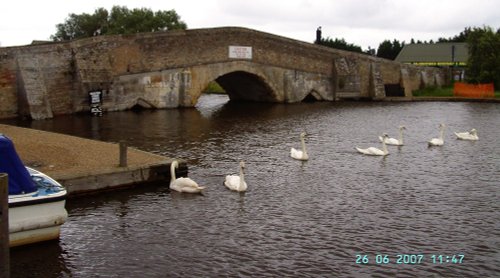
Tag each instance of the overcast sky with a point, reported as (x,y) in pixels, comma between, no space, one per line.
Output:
(364,22)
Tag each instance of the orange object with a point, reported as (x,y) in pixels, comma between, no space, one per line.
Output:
(473,90)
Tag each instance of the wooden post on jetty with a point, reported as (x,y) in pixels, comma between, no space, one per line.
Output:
(123,154)
(4,226)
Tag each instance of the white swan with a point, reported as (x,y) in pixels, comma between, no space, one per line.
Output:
(468,135)
(394,141)
(182,184)
(440,140)
(376,151)
(235,182)
(300,154)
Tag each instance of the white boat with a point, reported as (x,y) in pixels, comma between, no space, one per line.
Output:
(36,201)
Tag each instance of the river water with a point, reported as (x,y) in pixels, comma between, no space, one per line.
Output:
(419,212)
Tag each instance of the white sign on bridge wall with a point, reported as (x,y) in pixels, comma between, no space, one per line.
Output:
(240,52)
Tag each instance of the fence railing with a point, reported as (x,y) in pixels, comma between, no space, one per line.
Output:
(473,90)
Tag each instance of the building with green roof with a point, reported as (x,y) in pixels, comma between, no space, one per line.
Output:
(434,54)
(452,55)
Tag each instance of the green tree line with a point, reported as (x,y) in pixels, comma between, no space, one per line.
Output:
(483,65)
(339,44)
(120,20)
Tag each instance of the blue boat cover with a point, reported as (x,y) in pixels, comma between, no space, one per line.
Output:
(20,181)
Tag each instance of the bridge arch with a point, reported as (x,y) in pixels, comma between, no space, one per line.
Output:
(241,80)
(242,85)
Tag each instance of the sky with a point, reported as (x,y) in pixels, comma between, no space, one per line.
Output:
(365,23)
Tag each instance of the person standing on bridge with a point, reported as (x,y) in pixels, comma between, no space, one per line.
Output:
(318,35)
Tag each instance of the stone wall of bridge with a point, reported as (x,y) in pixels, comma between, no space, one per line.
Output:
(171,69)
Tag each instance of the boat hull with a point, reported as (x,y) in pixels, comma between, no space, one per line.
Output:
(32,223)
(36,201)
(37,216)
(34,236)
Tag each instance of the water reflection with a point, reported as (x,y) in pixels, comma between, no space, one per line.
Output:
(305,219)
(45,259)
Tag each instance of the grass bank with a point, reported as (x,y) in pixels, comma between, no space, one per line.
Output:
(214,88)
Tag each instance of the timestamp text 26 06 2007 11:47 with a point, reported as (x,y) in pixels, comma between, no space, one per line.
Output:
(410,259)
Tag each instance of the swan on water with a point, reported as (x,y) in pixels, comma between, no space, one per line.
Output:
(182,184)
(300,154)
(375,151)
(394,141)
(440,140)
(235,182)
(468,135)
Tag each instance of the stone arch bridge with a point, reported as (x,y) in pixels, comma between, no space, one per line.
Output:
(172,69)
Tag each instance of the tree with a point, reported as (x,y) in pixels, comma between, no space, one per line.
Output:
(483,65)
(389,50)
(340,44)
(462,37)
(120,20)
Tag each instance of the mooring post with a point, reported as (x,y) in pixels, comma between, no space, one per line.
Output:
(4,226)
(123,154)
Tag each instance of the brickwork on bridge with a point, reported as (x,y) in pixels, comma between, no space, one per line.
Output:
(171,69)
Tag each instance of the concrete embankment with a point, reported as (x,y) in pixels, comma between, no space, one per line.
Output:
(87,166)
